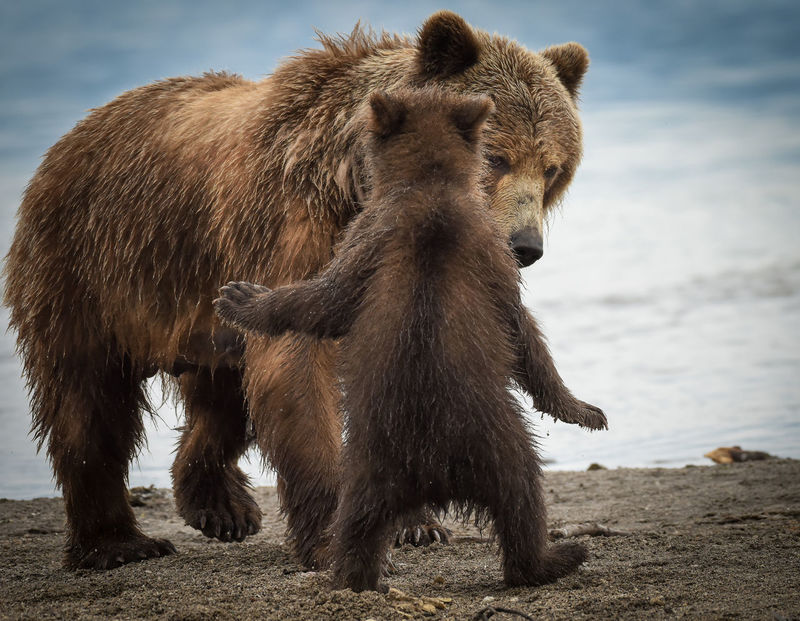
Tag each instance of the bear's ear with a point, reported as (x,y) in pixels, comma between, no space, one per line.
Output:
(388,114)
(446,46)
(470,115)
(570,61)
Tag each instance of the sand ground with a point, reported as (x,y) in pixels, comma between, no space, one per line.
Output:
(716,542)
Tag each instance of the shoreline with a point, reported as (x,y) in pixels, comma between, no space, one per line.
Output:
(703,542)
(547,467)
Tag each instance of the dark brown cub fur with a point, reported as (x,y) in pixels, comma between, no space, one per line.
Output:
(425,292)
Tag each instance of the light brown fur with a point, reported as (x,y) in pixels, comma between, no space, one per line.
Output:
(138,214)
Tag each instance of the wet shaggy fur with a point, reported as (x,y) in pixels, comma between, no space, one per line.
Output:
(425,293)
(138,214)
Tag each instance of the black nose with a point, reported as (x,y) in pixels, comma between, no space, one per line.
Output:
(527,246)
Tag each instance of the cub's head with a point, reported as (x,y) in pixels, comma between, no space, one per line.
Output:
(533,141)
(418,136)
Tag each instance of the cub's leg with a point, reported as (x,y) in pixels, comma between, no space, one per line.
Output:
(365,520)
(522,534)
(293,397)
(90,411)
(509,485)
(211,491)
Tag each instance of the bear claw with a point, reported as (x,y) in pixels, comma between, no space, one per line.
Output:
(226,525)
(422,535)
(111,554)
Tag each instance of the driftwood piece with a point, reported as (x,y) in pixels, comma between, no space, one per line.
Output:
(593,529)
(490,611)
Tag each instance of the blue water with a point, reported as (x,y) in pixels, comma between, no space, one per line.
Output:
(670,285)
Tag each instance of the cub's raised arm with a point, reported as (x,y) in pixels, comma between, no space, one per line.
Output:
(324,306)
(536,373)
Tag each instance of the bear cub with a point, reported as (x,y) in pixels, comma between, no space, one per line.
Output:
(425,295)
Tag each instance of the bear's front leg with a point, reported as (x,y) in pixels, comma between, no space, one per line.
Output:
(211,492)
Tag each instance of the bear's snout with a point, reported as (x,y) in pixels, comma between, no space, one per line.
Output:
(527,245)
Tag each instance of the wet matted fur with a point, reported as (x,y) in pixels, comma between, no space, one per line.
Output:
(138,214)
(425,294)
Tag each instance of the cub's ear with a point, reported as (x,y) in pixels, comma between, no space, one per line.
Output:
(570,60)
(446,46)
(388,114)
(470,116)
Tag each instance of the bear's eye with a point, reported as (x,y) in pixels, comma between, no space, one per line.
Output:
(499,164)
(551,172)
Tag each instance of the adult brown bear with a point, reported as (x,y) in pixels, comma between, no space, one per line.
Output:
(425,294)
(137,215)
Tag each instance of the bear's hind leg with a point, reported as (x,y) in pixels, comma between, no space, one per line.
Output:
(211,491)
(92,419)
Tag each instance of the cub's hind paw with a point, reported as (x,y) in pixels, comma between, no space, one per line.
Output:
(556,562)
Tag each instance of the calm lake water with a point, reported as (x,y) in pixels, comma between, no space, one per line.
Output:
(670,285)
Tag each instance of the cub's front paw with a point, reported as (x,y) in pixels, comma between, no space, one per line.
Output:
(593,417)
(584,414)
(234,298)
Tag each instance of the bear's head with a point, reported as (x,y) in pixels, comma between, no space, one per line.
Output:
(419,136)
(533,141)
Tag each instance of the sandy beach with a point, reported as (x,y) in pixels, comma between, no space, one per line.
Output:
(711,542)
